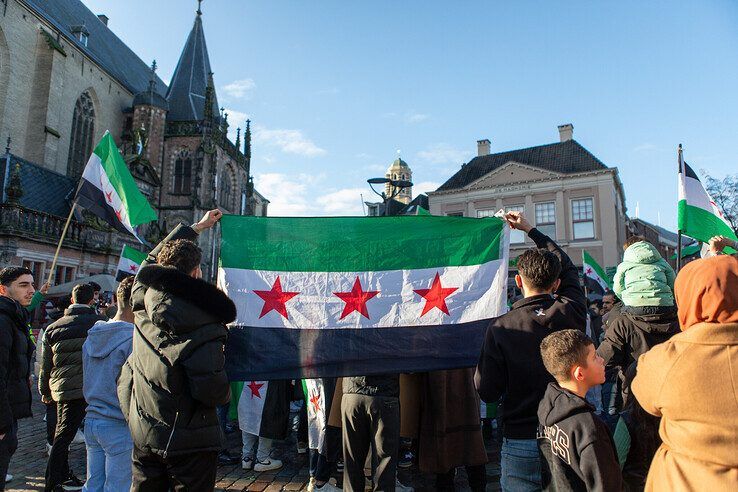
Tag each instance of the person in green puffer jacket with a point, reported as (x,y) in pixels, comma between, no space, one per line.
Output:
(644,281)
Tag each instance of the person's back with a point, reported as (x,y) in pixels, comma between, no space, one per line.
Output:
(578,452)
(510,364)
(644,278)
(174,379)
(107,437)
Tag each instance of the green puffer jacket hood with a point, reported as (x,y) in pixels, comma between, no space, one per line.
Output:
(644,278)
(174,379)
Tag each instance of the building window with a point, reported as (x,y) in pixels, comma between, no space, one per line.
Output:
(182,174)
(485,213)
(63,275)
(83,38)
(224,197)
(516,236)
(546,218)
(583,218)
(243,203)
(81,137)
(455,214)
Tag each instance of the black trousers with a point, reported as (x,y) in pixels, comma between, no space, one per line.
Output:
(50,422)
(370,422)
(194,472)
(477,476)
(69,416)
(8,445)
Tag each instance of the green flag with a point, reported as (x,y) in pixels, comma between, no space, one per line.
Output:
(594,272)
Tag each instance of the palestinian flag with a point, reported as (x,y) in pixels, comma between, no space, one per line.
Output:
(108,190)
(699,216)
(594,275)
(264,408)
(343,296)
(129,262)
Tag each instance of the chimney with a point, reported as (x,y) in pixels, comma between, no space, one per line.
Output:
(566,132)
(103,18)
(483,147)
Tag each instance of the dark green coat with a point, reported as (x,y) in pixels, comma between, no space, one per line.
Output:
(174,379)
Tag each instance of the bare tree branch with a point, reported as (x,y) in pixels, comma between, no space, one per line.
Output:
(725,194)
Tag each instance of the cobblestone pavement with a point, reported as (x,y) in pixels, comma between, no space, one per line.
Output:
(29,463)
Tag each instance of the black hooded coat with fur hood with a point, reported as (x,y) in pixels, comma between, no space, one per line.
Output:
(174,379)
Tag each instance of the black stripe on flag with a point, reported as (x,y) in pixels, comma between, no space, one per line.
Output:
(286,353)
(688,170)
(91,198)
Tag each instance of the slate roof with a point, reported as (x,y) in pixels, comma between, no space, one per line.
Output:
(186,94)
(670,236)
(561,157)
(43,190)
(103,47)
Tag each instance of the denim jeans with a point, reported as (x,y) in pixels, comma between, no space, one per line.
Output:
(521,465)
(249,442)
(109,449)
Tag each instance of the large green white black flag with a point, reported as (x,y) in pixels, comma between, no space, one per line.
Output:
(339,296)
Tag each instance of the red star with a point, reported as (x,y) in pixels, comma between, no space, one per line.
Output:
(589,270)
(435,296)
(255,387)
(275,299)
(315,400)
(109,196)
(356,299)
(133,268)
(118,213)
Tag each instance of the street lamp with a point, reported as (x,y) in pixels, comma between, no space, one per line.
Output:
(396,185)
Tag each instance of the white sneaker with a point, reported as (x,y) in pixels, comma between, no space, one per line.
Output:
(302,447)
(402,488)
(247,463)
(327,487)
(269,464)
(8,478)
(79,438)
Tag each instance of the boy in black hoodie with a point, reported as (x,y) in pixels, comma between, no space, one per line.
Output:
(578,450)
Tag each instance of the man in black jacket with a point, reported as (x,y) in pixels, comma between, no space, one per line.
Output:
(16,348)
(510,364)
(60,380)
(174,379)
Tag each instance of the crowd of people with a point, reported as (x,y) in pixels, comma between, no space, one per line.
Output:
(636,391)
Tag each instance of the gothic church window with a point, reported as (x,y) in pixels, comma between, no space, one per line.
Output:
(183,173)
(81,136)
(226,190)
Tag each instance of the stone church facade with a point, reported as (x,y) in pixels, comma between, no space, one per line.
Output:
(65,79)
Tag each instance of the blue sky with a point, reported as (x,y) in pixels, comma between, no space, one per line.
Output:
(335,88)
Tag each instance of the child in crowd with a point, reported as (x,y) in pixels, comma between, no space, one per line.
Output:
(644,280)
(578,450)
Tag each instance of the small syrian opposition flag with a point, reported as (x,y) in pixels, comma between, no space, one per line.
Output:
(345,296)
(108,190)
(594,274)
(318,398)
(263,408)
(699,216)
(129,262)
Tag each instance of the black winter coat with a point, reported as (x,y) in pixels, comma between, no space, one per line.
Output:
(510,363)
(173,381)
(60,368)
(16,349)
(579,454)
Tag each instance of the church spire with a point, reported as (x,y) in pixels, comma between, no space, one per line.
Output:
(186,93)
(247,141)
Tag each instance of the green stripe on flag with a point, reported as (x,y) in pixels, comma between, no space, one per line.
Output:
(702,224)
(358,244)
(137,207)
(688,251)
(133,254)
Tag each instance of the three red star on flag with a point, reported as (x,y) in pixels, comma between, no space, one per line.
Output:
(356,299)
(255,387)
(435,297)
(275,299)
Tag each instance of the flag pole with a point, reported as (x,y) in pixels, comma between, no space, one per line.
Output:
(679,231)
(52,272)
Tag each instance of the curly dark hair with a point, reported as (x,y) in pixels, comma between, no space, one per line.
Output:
(182,254)
(539,268)
(123,293)
(564,349)
(632,240)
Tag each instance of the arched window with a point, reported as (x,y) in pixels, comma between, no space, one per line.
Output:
(183,173)
(226,190)
(83,131)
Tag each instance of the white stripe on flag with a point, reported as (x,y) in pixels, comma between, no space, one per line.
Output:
(128,266)
(480,294)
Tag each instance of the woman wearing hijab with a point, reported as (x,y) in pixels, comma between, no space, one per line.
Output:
(691,382)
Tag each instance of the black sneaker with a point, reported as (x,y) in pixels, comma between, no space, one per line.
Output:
(225,458)
(73,483)
(406,460)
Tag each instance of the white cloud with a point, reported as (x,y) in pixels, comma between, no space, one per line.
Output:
(415,117)
(287,194)
(240,89)
(236,119)
(442,153)
(347,201)
(424,187)
(289,141)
